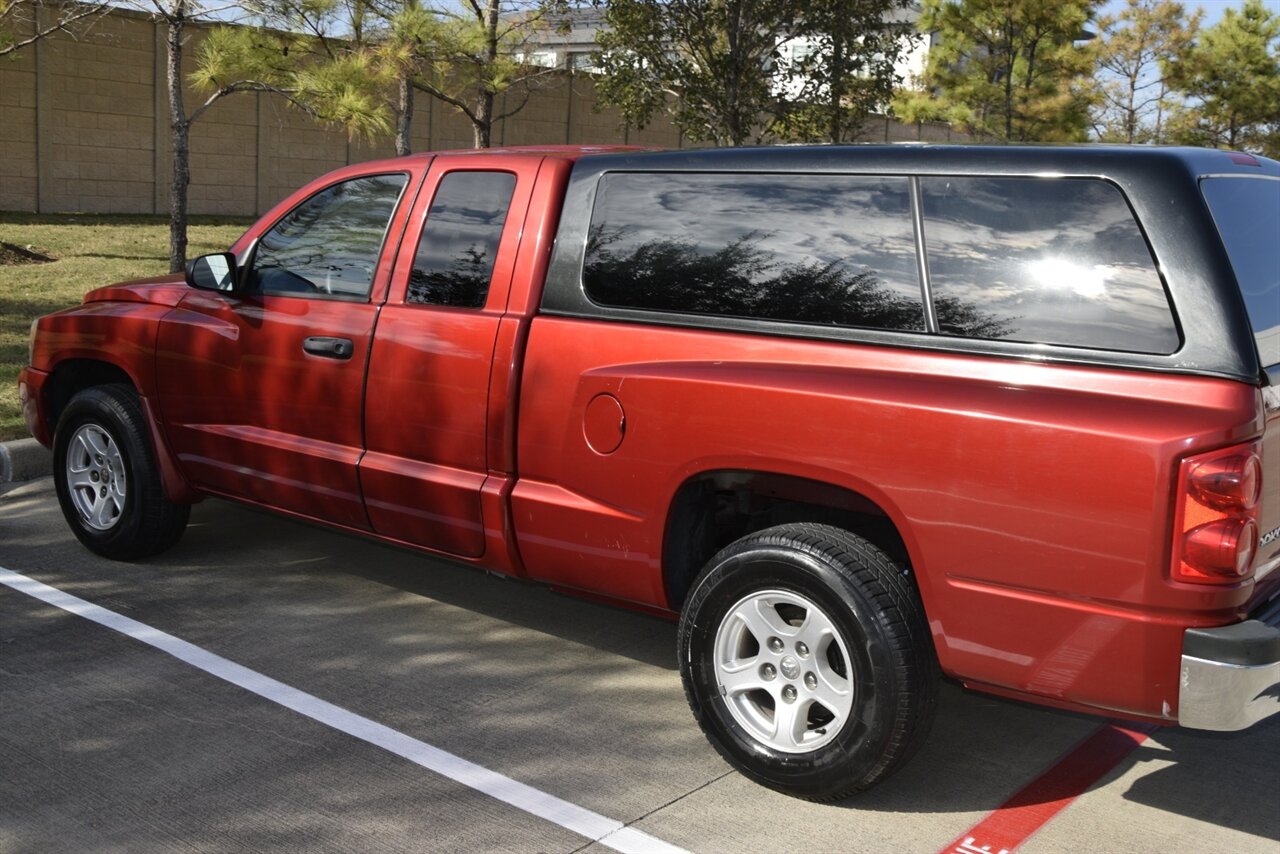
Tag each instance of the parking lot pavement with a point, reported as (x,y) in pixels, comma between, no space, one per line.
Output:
(107,743)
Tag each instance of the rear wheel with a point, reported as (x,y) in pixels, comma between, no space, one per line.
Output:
(107,479)
(807,660)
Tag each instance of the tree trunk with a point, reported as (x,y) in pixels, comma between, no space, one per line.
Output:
(483,121)
(1131,111)
(837,87)
(733,117)
(404,116)
(1010,59)
(1008,107)
(482,124)
(1024,132)
(1159,138)
(179,130)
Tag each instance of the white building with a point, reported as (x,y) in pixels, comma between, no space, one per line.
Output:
(909,65)
(573,51)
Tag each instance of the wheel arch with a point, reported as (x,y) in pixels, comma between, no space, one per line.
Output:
(713,508)
(71,376)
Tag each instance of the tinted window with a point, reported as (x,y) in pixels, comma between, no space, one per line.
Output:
(821,249)
(1247,212)
(1052,261)
(329,244)
(459,244)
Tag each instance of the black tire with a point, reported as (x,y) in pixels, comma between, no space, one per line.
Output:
(138,519)
(891,672)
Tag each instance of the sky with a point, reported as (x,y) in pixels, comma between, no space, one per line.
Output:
(1212,8)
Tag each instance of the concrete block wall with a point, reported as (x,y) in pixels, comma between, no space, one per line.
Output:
(224,155)
(18,178)
(95,119)
(84,127)
(292,149)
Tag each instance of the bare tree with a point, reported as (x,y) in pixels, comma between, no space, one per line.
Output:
(21,23)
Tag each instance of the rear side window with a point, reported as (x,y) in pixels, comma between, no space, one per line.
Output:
(819,249)
(459,243)
(1043,260)
(1247,213)
(328,245)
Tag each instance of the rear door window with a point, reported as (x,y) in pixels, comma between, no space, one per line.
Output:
(459,243)
(836,250)
(1247,213)
(1043,260)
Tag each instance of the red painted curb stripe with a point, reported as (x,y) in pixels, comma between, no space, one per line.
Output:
(1014,821)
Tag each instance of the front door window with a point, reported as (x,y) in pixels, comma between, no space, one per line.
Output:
(329,245)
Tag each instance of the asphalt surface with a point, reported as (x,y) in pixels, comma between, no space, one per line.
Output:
(107,744)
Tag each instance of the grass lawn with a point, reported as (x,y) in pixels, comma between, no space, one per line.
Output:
(90,251)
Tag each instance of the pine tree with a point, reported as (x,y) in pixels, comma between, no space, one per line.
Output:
(1130,86)
(1011,69)
(847,71)
(708,62)
(1231,78)
(233,60)
(467,55)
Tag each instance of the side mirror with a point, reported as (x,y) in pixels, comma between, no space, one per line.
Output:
(213,272)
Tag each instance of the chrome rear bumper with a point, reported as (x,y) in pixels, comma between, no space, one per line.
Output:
(1230,676)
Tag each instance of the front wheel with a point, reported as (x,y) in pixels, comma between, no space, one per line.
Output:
(107,479)
(807,660)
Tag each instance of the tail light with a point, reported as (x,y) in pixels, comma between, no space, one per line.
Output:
(1216,523)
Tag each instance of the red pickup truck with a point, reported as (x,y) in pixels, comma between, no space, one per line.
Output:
(858,416)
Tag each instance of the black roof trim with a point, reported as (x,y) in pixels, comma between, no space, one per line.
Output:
(926,158)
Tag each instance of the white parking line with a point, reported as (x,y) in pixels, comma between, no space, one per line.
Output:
(609,832)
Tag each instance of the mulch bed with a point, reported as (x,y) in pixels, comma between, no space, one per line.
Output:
(11,255)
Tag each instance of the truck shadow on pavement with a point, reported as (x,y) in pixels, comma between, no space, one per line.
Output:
(981,750)
(615,630)
(392,618)
(1228,779)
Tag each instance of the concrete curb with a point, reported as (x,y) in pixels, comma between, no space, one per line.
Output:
(24,459)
